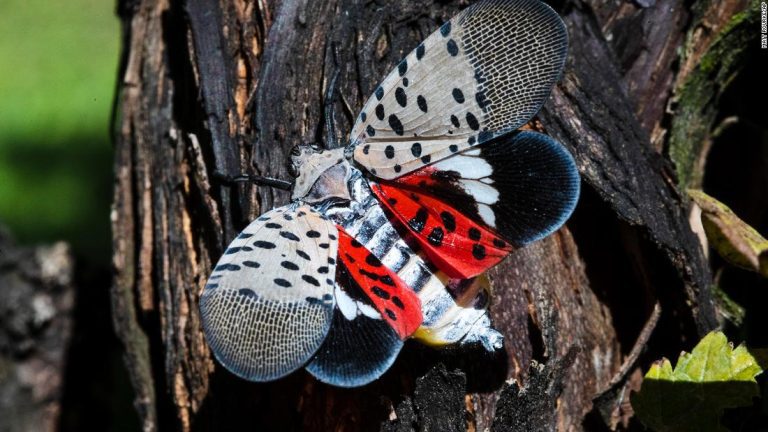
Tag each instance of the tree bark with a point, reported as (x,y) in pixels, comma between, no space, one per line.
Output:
(37,302)
(208,86)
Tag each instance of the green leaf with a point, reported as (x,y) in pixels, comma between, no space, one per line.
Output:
(735,241)
(693,395)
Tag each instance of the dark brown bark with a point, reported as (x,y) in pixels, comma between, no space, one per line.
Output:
(212,86)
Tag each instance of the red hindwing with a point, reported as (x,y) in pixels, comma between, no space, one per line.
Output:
(397,303)
(456,244)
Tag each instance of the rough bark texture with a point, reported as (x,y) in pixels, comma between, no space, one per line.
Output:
(211,86)
(36,319)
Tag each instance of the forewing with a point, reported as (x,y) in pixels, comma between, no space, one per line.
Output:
(269,302)
(469,211)
(485,72)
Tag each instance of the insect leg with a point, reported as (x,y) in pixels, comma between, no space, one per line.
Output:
(253,178)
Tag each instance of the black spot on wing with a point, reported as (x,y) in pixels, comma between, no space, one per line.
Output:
(395,124)
(264,244)
(472,121)
(227,267)
(453,49)
(418,221)
(422,103)
(478,251)
(369,275)
(310,280)
(420,51)
(458,95)
(435,236)
(449,221)
(282,282)
(380,111)
(246,292)
(416,149)
(237,249)
(474,234)
(482,100)
(289,265)
(402,68)
(303,254)
(273,225)
(401,97)
(397,302)
(372,261)
(380,292)
(289,235)
(251,264)
(445,29)
(371,132)
(379,93)
(389,152)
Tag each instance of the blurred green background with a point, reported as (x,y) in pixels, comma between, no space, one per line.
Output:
(58,63)
(58,68)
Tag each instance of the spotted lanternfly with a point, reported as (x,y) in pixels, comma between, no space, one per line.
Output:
(388,237)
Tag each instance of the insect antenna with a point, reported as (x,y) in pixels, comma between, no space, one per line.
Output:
(253,178)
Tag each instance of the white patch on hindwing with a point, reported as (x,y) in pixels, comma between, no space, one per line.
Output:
(351,308)
(487,215)
(468,167)
(345,304)
(481,192)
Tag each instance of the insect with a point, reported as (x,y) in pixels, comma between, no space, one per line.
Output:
(388,236)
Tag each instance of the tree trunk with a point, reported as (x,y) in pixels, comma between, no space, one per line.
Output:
(37,302)
(230,87)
